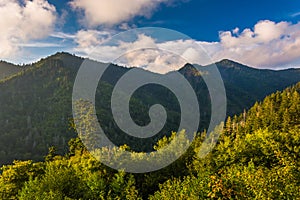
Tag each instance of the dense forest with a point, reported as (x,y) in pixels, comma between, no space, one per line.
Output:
(257,157)
(36,107)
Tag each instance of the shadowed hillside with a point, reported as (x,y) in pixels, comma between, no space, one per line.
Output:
(36,105)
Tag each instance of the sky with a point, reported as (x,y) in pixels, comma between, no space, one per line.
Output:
(258,33)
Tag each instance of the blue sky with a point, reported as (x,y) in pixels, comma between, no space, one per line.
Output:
(240,30)
(203,19)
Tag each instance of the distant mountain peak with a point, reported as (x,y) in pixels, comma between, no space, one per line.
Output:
(189,70)
(61,55)
(231,64)
(186,67)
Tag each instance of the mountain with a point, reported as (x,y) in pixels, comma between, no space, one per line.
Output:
(8,69)
(245,85)
(256,157)
(256,81)
(36,110)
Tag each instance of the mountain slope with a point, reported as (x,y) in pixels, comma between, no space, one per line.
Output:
(36,109)
(8,69)
(257,157)
(245,85)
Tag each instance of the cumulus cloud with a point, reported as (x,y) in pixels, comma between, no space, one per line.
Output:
(154,60)
(113,12)
(21,22)
(264,32)
(266,45)
(87,38)
(144,51)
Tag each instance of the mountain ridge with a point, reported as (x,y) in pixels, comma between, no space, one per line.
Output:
(8,69)
(227,63)
(40,98)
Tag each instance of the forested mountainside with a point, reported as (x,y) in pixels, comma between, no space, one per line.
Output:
(256,157)
(8,69)
(36,105)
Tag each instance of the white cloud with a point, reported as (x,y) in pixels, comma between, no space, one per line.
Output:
(266,45)
(153,60)
(113,12)
(90,38)
(22,22)
(236,30)
(296,14)
(90,43)
(143,52)
(125,26)
(39,44)
(264,32)
(62,35)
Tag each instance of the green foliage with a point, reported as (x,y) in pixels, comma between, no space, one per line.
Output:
(13,177)
(7,70)
(36,105)
(189,188)
(256,157)
(58,182)
(77,177)
(250,161)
